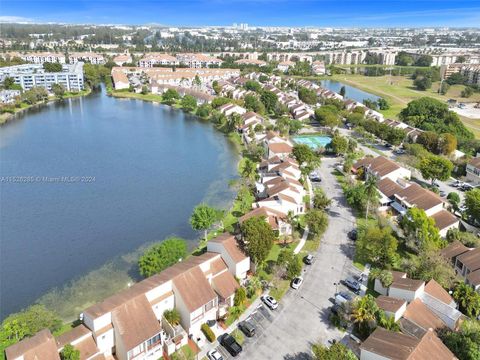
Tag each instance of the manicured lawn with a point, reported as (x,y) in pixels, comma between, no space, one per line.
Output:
(399,91)
(280,288)
(131,95)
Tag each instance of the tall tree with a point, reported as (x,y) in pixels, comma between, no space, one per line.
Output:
(203,217)
(472,203)
(160,256)
(371,192)
(421,229)
(436,168)
(258,237)
(337,351)
(364,315)
(69,353)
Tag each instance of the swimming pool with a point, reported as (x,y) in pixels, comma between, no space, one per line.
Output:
(314,141)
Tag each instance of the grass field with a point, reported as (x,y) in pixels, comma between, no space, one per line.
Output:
(399,91)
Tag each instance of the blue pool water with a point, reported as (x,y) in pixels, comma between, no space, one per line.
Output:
(313,141)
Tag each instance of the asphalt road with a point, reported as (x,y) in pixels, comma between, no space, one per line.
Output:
(302,317)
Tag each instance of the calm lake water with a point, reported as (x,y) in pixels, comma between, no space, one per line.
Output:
(350,91)
(100,178)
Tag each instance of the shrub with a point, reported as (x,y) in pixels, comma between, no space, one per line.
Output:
(240,296)
(209,334)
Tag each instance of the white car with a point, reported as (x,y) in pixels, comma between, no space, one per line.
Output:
(214,355)
(297,282)
(269,301)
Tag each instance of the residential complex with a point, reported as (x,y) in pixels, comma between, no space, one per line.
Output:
(32,75)
(131,324)
(190,60)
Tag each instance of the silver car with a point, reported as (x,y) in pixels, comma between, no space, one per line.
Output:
(214,355)
(297,282)
(269,301)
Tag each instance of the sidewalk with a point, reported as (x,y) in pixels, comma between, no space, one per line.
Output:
(209,346)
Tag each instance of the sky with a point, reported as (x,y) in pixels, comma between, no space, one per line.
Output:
(321,13)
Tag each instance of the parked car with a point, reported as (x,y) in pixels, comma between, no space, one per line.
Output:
(247,328)
(362,277)
(466,187)
(400,151)
(269,301)
(315,177)
(308,259)
(352,284)
(352,235)
(442,193)
(456,183)
(214,355)
(335,309)
(297,282)
(230,344)
(342,297)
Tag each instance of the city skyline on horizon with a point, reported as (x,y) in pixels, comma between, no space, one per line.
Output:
(259,13)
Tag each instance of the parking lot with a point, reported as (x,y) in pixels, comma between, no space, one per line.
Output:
(261,318)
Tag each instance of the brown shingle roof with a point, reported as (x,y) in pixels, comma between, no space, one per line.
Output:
(407,284)
(392,345)
(388,187)
(72,335)
(194,288)
(135,322)
(280,147)
(475,162)
(231,245)
(471,259)
(444,219)
(389,304)
(38,347)
(420,197)
(380,165)
(273,216)
(397,346)
(431,347)
(438,292)
(225,284)
(474,278)
(87,348)
(454,249)
(419,314)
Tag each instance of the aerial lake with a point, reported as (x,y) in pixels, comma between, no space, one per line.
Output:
(350,91)
(86,181)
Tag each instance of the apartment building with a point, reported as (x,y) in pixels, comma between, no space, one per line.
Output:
(152,59)
(40,58)
(473,171)
(92,58)
(195,60)
(466,262)
(472,73)
(33,75)
(131,324)
(121,59)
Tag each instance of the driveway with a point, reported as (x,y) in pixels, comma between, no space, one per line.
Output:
(302,317)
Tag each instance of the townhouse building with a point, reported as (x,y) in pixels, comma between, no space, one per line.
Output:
(399,194)
(152,59)
(466,262)
(121,59)
(40,58)
(131,325)
(389,345)
(473,171)
(33,75)
(92,58)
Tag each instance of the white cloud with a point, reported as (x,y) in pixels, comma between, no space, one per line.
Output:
(14,19)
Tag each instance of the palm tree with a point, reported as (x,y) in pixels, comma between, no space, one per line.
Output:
(371,191)
(249,170)
(468,299)
(364,314)
(291,219)
(387,322)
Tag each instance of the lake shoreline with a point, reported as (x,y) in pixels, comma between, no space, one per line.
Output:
(123,266)
(7,117)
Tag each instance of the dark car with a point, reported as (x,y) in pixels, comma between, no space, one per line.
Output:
(231,345)
(352,284)
(335,309)
(352,235)
(247,328)
(308,259)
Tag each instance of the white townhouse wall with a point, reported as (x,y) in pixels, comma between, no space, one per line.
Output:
(226,245)
(161,298)
(433,210)
(102,330)
(405,294)
(400,173)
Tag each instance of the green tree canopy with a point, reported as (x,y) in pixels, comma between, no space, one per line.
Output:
(317,221)
(337,351)
(308,96)
(189,103)
(420,229)
(377,245)
(160,256)
(269,99)
(203,217)
(436,168)
(433,115)
(306,157)
(258,237)
(472,203)
(69,353)
(465,343)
